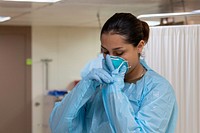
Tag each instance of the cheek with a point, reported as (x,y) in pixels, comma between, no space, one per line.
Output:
(133,60)
(132,63)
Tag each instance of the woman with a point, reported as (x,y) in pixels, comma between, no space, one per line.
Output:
(125,96)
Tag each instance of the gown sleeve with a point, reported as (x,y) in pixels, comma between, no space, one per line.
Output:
(68,114)
(153,116)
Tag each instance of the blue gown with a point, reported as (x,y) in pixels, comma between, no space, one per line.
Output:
(148,106)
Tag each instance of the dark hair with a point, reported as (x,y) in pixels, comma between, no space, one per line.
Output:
(127,25)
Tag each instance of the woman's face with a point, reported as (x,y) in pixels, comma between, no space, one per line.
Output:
(115,45)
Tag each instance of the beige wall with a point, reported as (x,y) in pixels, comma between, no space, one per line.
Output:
(70,49)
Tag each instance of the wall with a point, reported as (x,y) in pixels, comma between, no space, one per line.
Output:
(70,49)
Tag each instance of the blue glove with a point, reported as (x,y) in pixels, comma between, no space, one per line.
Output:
(109,67)
(99,75)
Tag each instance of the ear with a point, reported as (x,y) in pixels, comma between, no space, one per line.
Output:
(140,46)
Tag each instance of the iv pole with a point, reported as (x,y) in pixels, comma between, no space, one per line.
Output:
(46,62)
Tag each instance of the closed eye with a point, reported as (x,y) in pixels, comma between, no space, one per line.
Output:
(118,53)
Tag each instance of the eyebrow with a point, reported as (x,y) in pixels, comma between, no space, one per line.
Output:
(112,49)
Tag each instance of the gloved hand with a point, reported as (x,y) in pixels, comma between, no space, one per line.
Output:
(108,66)
(117,73)
(99,75)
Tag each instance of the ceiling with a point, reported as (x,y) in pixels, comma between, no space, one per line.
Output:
(83,13)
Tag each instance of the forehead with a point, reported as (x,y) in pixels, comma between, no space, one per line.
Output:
(110,41)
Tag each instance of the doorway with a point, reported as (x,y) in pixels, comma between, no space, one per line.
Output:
(15,79)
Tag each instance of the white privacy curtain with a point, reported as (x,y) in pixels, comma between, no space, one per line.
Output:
(174,52)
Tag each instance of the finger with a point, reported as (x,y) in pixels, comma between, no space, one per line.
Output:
(97,78)
(109,63)
(105,77)
(94,76)
(123,69)
(104,66)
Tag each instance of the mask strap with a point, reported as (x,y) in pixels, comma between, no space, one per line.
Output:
(123,63)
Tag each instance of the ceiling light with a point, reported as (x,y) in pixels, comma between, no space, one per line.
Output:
(196,12)
(3,18)
(40,1)
(153,23)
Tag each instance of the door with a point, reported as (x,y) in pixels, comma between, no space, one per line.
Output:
(15,80)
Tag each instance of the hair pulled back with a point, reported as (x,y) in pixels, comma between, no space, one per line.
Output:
(127,25)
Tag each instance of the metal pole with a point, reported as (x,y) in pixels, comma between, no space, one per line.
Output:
(46,62)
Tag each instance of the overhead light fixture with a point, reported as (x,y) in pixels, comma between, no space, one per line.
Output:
(39,1)
(195,12)
(3,18)
(153,23)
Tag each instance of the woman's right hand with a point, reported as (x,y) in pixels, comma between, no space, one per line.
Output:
(99,75)
(108,66)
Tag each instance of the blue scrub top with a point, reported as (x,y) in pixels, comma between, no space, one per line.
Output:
(148,106)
